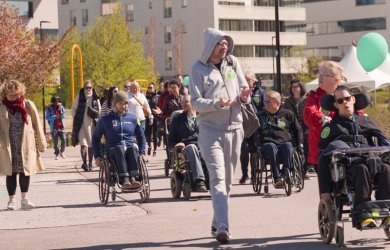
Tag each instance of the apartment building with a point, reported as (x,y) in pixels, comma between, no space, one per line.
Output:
(38,13)
(173,29)
(332,25)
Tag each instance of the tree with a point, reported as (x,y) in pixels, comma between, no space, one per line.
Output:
(22,56)
(112,53)
(306,66)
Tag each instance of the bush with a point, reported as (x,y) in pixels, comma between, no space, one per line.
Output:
(380,115)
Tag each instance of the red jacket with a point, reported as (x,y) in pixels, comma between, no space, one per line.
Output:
(312,115)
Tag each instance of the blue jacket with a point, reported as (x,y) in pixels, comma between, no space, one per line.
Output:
(116,129)
(51,116)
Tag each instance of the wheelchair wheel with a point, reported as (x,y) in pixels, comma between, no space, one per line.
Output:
(166,167)
(340,236)
(144,178)
(387,232)
(187,191)
(257,173)
(176,185)
(287,182)
(326,221)
(299,180)
(104,181)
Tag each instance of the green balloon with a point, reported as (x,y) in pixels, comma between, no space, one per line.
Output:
(186,81)
(371,51)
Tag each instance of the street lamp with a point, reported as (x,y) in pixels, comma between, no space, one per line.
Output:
(273,59)
(278,73)
(43,82)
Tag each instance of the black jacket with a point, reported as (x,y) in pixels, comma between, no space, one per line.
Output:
(280,127)
(343,128)
(181,130)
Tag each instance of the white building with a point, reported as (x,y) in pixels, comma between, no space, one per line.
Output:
(333,25)
(38,13)
(173,29)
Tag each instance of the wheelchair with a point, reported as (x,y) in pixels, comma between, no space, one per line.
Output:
(330,213)
(181,176)
(108,180)
(262,170)
(169,163)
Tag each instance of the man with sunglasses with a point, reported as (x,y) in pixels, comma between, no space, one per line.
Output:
(348,129)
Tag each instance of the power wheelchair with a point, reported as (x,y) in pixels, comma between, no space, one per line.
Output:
(169,163)
(261,171)
(108,180)
(330,213)
(181,176)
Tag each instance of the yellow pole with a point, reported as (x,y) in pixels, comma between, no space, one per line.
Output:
(81,81)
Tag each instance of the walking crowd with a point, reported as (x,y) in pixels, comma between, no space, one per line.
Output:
(203,121)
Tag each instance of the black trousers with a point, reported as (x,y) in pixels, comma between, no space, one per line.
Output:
(24,183)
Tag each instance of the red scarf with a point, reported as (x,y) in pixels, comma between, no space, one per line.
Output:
(17,106)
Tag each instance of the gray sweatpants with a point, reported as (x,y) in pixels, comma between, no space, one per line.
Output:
(221,152)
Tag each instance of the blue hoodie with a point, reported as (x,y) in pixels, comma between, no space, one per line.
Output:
(116,129)
(208,85)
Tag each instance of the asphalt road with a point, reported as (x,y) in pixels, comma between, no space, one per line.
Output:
(69,216)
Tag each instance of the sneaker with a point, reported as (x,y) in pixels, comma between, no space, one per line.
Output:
(149,151)
(56,158)
(126,184)
(62,156)
(369,222)
(243,179)
(213,231)
(222,236)
(26,204)
(134,184)
(11,205)
(154,153)
(85,167)
(386,222)
(279,183)
(201,186)
(306,176)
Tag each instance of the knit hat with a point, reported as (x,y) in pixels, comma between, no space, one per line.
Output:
(121,96)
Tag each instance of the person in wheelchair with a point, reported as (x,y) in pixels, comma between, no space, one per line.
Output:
(279,131)
(349,130)
(183,135)
(120,129)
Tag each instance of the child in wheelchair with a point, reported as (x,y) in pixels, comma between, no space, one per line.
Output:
(120,129)
(183,138)
(364,165)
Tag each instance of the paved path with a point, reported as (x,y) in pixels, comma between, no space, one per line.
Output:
(69,216)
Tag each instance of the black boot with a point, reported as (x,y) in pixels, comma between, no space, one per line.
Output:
(85,167)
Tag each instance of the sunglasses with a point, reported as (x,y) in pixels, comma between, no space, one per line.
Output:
(344,99)
(87,87)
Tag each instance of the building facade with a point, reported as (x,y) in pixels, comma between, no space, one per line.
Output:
(38,14)
(173,29)
(332,25)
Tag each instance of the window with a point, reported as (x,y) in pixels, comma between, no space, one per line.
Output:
(129,12)
(64,1)
(269,51)
(84,17)
(83,1)
(146,30)
(230,3)
(282,3)
(236,25)
(150,5)
(243,51)
(168,34)
(72,18)
(168,60)
(184,3)
(25,8)
(167,8)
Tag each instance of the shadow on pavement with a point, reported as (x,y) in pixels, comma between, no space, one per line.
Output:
(85,205)
(307,241)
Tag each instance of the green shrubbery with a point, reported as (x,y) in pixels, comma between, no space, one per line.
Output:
(381,116)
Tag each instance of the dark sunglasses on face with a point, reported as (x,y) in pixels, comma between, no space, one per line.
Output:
(87,87)
(344,99)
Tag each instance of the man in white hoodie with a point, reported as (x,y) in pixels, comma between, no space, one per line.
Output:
(217,89)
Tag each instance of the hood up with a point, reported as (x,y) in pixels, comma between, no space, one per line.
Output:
(211,37)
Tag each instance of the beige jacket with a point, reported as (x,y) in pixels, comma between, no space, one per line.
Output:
(33,141)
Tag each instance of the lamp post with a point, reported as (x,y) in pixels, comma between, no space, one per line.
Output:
(278,73)
(273,59)
(43,82)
